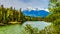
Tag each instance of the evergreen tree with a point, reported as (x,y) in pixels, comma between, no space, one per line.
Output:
(54,7)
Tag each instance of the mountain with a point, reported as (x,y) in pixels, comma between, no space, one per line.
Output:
(35,13)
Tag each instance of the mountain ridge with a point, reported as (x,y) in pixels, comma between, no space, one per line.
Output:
(35,13)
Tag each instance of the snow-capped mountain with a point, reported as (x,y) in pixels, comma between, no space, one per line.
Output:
(36,12)
(30,8)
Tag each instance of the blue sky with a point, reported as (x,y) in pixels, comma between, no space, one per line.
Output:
(25,3)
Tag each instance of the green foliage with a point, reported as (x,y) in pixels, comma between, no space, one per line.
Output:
(54,4)
(56,26)
(10,15)
(56,22)
(52,17)
(54,7)
(29,29)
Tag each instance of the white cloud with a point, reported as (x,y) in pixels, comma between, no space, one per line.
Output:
(47,10)
(20,4)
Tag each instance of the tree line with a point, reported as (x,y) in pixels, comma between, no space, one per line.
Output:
(11,15)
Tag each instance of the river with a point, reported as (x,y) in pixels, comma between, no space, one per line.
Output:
(17,28)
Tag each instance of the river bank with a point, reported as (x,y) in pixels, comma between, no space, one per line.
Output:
(10,23)
(17,28)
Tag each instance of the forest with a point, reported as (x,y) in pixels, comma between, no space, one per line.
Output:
(8,15)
